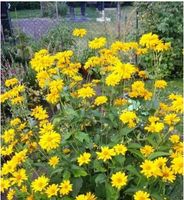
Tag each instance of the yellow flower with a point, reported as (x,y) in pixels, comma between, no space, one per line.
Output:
(52,190)
(177,103)
(97,43)
(167,174)
(11,82)
(148,168)
(160,162)
(40,184)
(43,78)
(66,187)
(49,141)
(56,85)
(21,127)
(162,47)
(81,197)
(19,177)
(177,165)
(141,51)
(8,167)
(86,92)
(46,128)
(4,97)
(120,102)
(39,113)
(11,194)
(171,119)
(154,126)
(23,188)
(53,97)
(30,197)
(41,62)
(100,100)
(120,149)
(141,195)
(149,40)
(84,158)
(15,122)
(161,84)
(178,147)
(138,90)
(17,100)
(8,135)
(90,196)
(119,180)
(79,32)
(142,74)
(147,150)
(129,117)
(6,151)
(105,154)
(4,184)
(174,138)
(53,161)
(66,150)
(20,157)
(113,79)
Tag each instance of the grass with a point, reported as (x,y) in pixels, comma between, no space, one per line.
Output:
(22,14)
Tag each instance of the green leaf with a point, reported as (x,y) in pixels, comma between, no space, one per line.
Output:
(136,153)
(78,171)
(131,190)
(66,135)
(120,159)
(66,174)
(100,179)
(70,113)
(112,119)
(157,154)
(132,170)
(156,196)
(150,139)
(81,136)
(56,121)
(56,171)
(66,198)
(77,185)
(98,166)
(39,164)
(126,131)
(111,192)
(134,146)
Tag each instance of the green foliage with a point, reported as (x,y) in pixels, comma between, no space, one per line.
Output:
(86,128)
(166,20)
(24,5)
(48,9)
(18,48)
(62,9)
(58,39)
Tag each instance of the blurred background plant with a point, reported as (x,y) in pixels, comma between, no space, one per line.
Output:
(17,49)
(49,9)
(166,20)
(58,38)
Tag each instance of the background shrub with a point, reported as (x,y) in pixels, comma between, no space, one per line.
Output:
(164,19)
(24,5)
(58,39)
(62,9)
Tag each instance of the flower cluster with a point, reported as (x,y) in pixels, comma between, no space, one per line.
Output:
(112,137)
(79,32)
